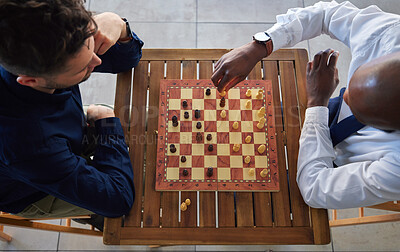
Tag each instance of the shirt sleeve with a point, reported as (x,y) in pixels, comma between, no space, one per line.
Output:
(342,21)
(353,185)
(121,57)
(105,188)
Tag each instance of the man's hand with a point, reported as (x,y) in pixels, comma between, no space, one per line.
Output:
(110,29)
(322,78)
(97,112)
(234,66)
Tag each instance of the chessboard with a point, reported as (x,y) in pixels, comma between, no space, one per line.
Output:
(209,141)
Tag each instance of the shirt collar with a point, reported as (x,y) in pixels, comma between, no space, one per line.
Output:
(31,95)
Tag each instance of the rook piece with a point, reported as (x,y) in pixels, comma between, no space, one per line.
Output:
(235,125)
(247,139)
(261,148)
(248,104)
(188,202)
(248,93)
(184,104)
(186,115)
(210,147)
(209,137)
(198,125)
(222,102)
(261,112)
(236,147)
(251,172)
(209,172)
(223,93)
(185,172)
(183,159)
(199,137)
(172,148)
(208,91)
(264,173)
(223,114)
(183,206)
(197,113)
(259,94)
(247,159)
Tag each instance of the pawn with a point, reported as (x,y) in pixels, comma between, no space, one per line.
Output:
(251,172)
(259,94)
(188,202)
(183,206)
(174,118)
(183,159)
(172,148)
(175,123)
(222,102)
(198,125)
(223,114)
(185,172)
(208,91)
(210,147)
(209,137)
(247,159)
(235,125)
(247,139)
(264,173)
(209,172)
(261,148)
(261,112)
(248,104)
(184,104)
(186,115)
(248,93)
(236,147)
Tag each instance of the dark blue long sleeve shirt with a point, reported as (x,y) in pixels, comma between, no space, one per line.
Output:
(42,137)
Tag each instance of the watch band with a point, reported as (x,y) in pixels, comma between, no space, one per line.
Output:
(128,31)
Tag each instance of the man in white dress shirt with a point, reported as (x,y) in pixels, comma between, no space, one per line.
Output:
(368,161)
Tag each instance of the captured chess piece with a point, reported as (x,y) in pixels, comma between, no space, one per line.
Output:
(197,114)
(188,202)
(184,104)
(208,91)
(209,172)
(183,206)
(172,148)
(186,115)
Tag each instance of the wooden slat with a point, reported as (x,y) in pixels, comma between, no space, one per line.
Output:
(204,54)
(152,198)
(280,200)
(389,206)
(123,99)
(300,210)
(4,236)
(365,220)
(226,209)
(219,236)
(112,231)
(189,217)
(207,199)
(320,226)
(170,200)
(262,201)
(136,146)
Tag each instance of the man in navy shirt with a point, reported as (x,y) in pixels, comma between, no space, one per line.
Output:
(46,49)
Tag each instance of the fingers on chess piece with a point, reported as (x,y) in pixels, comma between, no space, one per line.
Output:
(208,91)
(248,93)
(223,93)
(236,147)
(198,125)
(172,148)
(199,137)
(210,171)
(247,139)
(247,159)
(251,172)
(184,104)
(183,159)
(259,94)
(186,115)
(261,149)
(197,114)
(223,114)
(248,104)
(235,125)
(209,137)
(264,173)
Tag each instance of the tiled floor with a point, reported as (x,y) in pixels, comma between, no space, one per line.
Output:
(210,24)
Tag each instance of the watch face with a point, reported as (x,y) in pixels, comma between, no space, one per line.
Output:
(261,36)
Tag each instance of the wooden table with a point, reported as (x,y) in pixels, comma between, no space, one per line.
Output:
(213,218)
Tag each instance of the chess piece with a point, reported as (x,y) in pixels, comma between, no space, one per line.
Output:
(183,159)
(208,91)
(251,172)
(235,125)
(223,114)
(172,148)
(183,206)
(197,113)
(264,173)
(261,123)
(209,137)
(247,159)
(261,148)
(222,102)
(175,123)
(259,94)
(261,112)
(198,125)
(188,202)
(185,172)
(236,147)
(199,137)
(248,104)
(223,93)
(209,172)
(184,104)
(247,139)
(210,147)
(186,115)
(248,93)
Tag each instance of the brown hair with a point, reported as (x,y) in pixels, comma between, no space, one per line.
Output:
(37,37)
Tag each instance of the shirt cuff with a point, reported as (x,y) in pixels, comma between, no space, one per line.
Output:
(317,114)
(278,36)
(109,126)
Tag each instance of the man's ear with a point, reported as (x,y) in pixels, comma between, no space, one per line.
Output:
(30,81)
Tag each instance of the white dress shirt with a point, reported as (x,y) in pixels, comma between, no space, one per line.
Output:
(368,161)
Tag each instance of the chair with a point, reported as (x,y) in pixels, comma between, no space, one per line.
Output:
(7,219)
(362,219)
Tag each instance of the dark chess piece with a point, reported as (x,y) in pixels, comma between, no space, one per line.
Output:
(199,137)
(209,137)
(183,159)
(172,148)
(186,115)
(185,172)
(175,123)
(222,102)
(197,113)
(208,91)
(209,172)
(198,125)
(184,104)
(210,147)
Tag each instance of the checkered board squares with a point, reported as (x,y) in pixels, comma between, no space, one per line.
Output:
(230,171)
